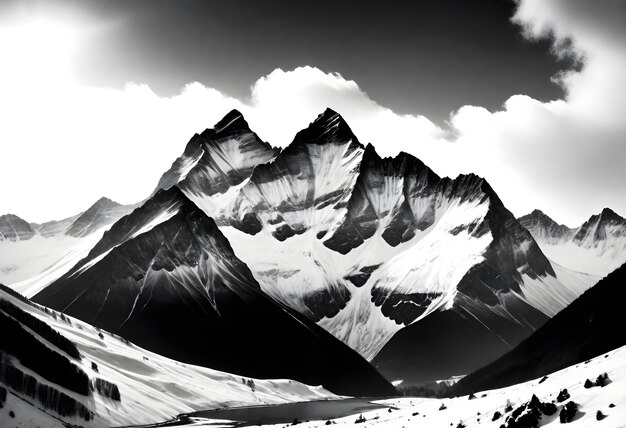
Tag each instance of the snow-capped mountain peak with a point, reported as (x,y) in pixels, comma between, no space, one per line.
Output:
(607,224)
(103,211)
(14,228)
(596,247)
(231,123)
(217,160)
(540,224)
(328,127)
(33,255)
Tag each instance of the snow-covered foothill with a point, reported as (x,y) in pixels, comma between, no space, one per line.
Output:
(478,410)
(152,388)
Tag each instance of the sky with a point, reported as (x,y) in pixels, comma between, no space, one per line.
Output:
(98,98)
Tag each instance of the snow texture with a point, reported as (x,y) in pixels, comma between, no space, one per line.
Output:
(152,387)
(479,410)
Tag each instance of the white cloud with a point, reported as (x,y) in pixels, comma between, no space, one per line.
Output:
(567,156)
(283,103)
(62,146)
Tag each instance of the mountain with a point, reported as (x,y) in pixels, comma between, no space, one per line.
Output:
(544,229)
(33,255)
(56,371)
(54,227)
(217,160)
(595,248)
(372,248)
(13,228)
(167,279)
(586,328)
(103,212)
(380,252)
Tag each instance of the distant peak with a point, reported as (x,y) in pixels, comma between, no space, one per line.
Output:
(370,152)
(473,179)
(607,214)
(409,158)
(538,216)
(328,127)
(173,193)
(608,211)
(329,112)
(105,202)
(15,228)
(232,115)
(9,216)
(232,122)
(329,117)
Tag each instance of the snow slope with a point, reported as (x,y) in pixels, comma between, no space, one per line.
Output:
(152,387)
(29,266)
(479,411)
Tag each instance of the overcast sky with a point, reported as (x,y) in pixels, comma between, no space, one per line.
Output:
(98,98)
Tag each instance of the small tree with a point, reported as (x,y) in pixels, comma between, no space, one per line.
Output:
(563,395)
(602,380)
(568,412)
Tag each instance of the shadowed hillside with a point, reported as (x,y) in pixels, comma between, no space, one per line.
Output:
(591,325)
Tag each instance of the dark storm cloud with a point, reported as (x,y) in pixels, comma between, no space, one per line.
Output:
(421,57)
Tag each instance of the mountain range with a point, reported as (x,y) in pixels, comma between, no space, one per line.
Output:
(376,248)
(34,254)
(272,263)
(596,247)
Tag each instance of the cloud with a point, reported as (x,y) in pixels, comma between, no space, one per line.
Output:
(69,144)
(64,145)
(566,156)
(284,102)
